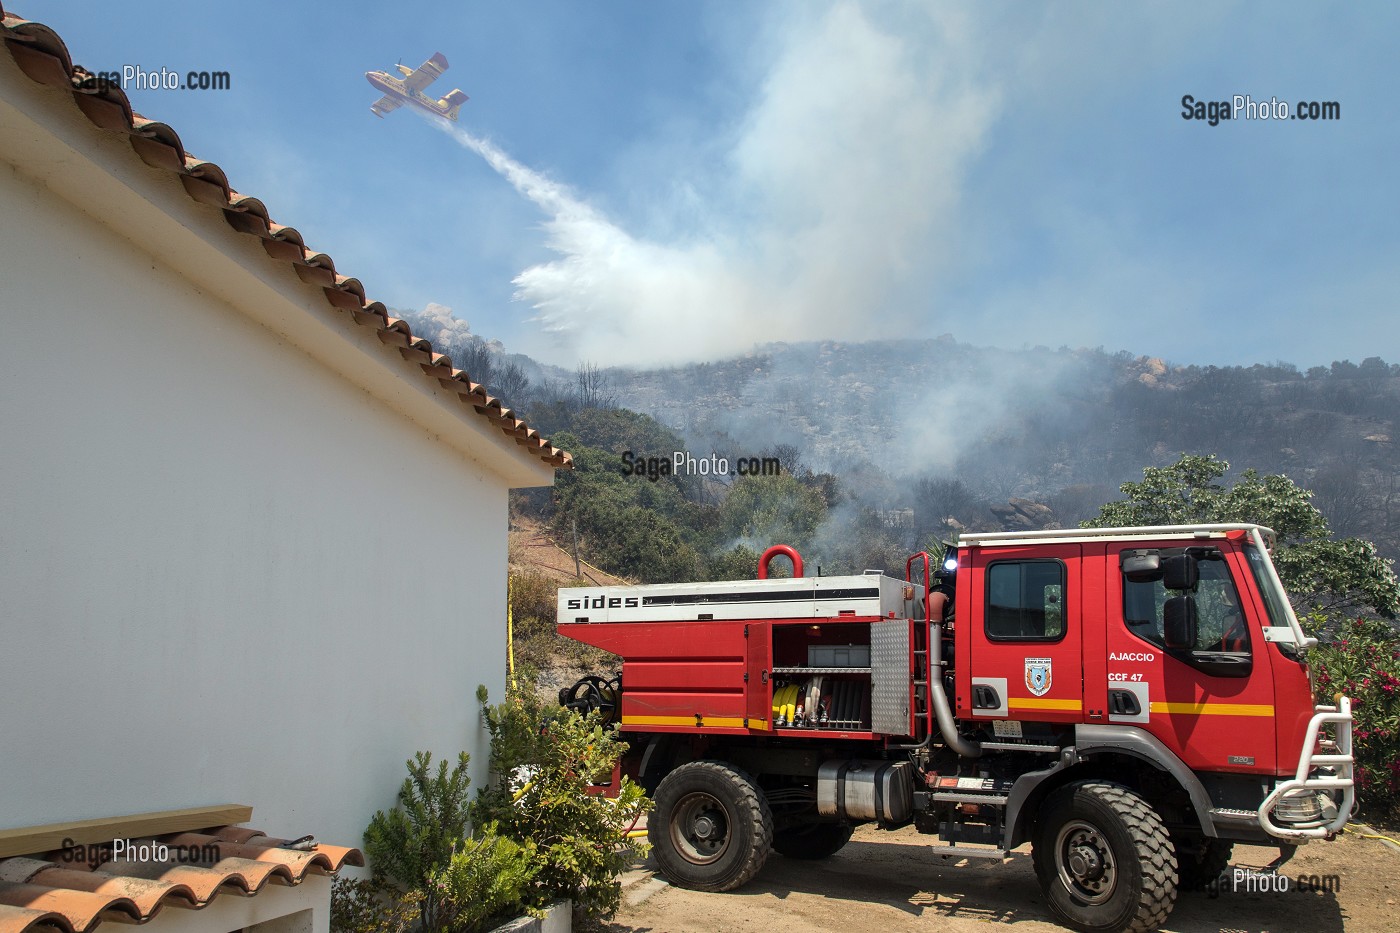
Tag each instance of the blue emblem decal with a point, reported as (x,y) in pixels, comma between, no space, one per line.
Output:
(1038,676)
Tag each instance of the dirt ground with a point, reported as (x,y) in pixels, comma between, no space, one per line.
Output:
(884,881)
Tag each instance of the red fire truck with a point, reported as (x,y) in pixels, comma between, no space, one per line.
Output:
(1132,701)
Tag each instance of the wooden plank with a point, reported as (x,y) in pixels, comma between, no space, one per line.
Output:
(30,840)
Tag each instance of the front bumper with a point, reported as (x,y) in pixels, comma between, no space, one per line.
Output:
(1317,802)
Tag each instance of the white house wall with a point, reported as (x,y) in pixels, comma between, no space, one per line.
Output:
(227,574)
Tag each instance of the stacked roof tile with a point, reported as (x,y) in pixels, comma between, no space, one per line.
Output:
(74,890)
(43,57)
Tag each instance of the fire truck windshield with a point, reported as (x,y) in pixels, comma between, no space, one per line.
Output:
(1275,602)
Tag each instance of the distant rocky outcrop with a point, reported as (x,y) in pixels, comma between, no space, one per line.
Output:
(1024,515)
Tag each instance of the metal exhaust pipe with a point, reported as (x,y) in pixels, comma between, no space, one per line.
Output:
(949,729)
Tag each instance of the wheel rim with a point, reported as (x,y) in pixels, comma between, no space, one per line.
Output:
(699,828)
(1085,862)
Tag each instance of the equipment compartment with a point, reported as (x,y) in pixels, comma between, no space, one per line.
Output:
(828,697)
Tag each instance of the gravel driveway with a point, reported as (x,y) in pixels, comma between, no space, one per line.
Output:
(886,881)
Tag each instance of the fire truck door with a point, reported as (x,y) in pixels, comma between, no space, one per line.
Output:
(1212,703)
(1025,638)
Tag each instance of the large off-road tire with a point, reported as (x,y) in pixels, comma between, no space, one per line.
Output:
(711,828)
(812,841)
(1104,859)
(1200,861)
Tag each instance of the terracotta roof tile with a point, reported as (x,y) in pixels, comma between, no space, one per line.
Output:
(343,298)
(203,883)
(316,269)
(369,317)
(61,890)
(266,851)
(393,338)
(82,909)
(98,104)
(281,250)
(248,215)
(20,919)
(148,896)
(239,834)
(41,54)
(38,51)
(247,222)
(351,287)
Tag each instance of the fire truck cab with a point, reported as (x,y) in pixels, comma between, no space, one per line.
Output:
(1132,701)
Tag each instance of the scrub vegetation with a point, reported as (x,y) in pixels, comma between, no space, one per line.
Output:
(889,448)
(444,862)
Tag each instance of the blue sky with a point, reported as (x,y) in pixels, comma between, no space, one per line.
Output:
(643,182)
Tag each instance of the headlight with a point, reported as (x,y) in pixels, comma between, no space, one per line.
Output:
(1299,807)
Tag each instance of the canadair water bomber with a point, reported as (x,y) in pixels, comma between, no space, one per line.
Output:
(409,89)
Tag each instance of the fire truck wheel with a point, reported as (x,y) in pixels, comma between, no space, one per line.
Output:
(813,841)
(1199,861)
(711,828)
(1104,859)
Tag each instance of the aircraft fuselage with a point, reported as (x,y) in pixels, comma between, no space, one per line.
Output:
(393,87)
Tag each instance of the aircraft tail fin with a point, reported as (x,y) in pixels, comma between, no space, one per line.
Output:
(453,102)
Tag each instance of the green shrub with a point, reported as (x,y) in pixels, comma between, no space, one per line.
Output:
(1363,662)
(538,839)
(363,906)
(541,758)
(487,877)
(737,563)
(411,841)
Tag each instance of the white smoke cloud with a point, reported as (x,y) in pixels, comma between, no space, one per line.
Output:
(836,203)
(437,323)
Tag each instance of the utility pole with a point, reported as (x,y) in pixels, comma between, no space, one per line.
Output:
(578,571)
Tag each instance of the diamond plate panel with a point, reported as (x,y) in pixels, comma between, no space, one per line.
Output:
(889,677)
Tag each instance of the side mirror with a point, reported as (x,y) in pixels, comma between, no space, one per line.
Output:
(1179,622)
(1180,572)
(1141,566)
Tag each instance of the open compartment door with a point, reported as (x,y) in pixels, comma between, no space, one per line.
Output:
(890,677)
(758,680)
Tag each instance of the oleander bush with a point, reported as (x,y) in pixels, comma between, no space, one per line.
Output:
(1363,662)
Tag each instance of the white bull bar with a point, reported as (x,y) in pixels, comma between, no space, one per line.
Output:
(1339,717)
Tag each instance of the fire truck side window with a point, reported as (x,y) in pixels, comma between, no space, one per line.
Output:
(1025,600)
(1220,624)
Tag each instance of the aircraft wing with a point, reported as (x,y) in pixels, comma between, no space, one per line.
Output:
(385,104)
(426,73)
